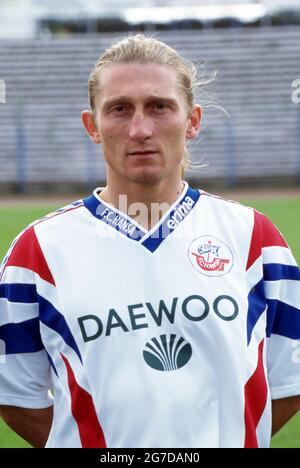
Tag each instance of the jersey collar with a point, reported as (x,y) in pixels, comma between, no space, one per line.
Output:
(127,227)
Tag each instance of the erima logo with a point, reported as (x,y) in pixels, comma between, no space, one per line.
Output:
(167,353)
(180,212)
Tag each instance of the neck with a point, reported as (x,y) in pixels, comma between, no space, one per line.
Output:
(144,203)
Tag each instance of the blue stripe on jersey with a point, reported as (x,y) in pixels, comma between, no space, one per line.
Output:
(283,319)
(17,292)
(52,364)
(113,218)
(256,307)
(277,271)
(23,337)
(53,319)
(173,220)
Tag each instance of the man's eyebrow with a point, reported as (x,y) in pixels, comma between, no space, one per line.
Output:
(124,98)
(110,101)
(167,99)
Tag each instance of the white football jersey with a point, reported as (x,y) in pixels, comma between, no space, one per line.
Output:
(175,337)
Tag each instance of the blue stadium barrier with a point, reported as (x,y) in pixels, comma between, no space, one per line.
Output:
(230,154)
(20,153)
(298,145)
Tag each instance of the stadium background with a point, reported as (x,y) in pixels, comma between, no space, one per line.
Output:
(251,149)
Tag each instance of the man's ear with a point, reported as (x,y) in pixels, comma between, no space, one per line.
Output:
(194,123)
(89,125)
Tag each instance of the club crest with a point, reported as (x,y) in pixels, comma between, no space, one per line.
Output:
(210,256)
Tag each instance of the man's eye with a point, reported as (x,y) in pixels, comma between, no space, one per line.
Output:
(119,108)
(159,105)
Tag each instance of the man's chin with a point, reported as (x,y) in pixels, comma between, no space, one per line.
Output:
(146,177)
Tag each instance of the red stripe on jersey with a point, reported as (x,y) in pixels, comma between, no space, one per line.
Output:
(264,234)
(83,410)
(27,253)
(255,400)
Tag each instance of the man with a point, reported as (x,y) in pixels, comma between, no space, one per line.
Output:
(160,315)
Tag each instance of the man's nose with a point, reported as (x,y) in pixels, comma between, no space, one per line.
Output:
(140,127)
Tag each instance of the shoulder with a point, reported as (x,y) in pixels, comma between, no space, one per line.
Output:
(226,207)
(264,232)
(25,251)
(264,229)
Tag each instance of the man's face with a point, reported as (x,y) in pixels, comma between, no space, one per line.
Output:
(141,121)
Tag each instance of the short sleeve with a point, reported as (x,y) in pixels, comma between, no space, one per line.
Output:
(282,291)
(25,377)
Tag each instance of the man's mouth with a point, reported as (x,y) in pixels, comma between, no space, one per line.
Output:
(142,153)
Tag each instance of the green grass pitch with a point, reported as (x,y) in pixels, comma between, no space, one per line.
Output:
(283,212)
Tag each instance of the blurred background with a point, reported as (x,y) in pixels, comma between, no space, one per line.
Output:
(249,146)
(47,50)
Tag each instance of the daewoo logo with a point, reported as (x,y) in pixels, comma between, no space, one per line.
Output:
(135,317)
(167,353)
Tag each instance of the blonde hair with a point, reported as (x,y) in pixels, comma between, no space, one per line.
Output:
(139,48)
